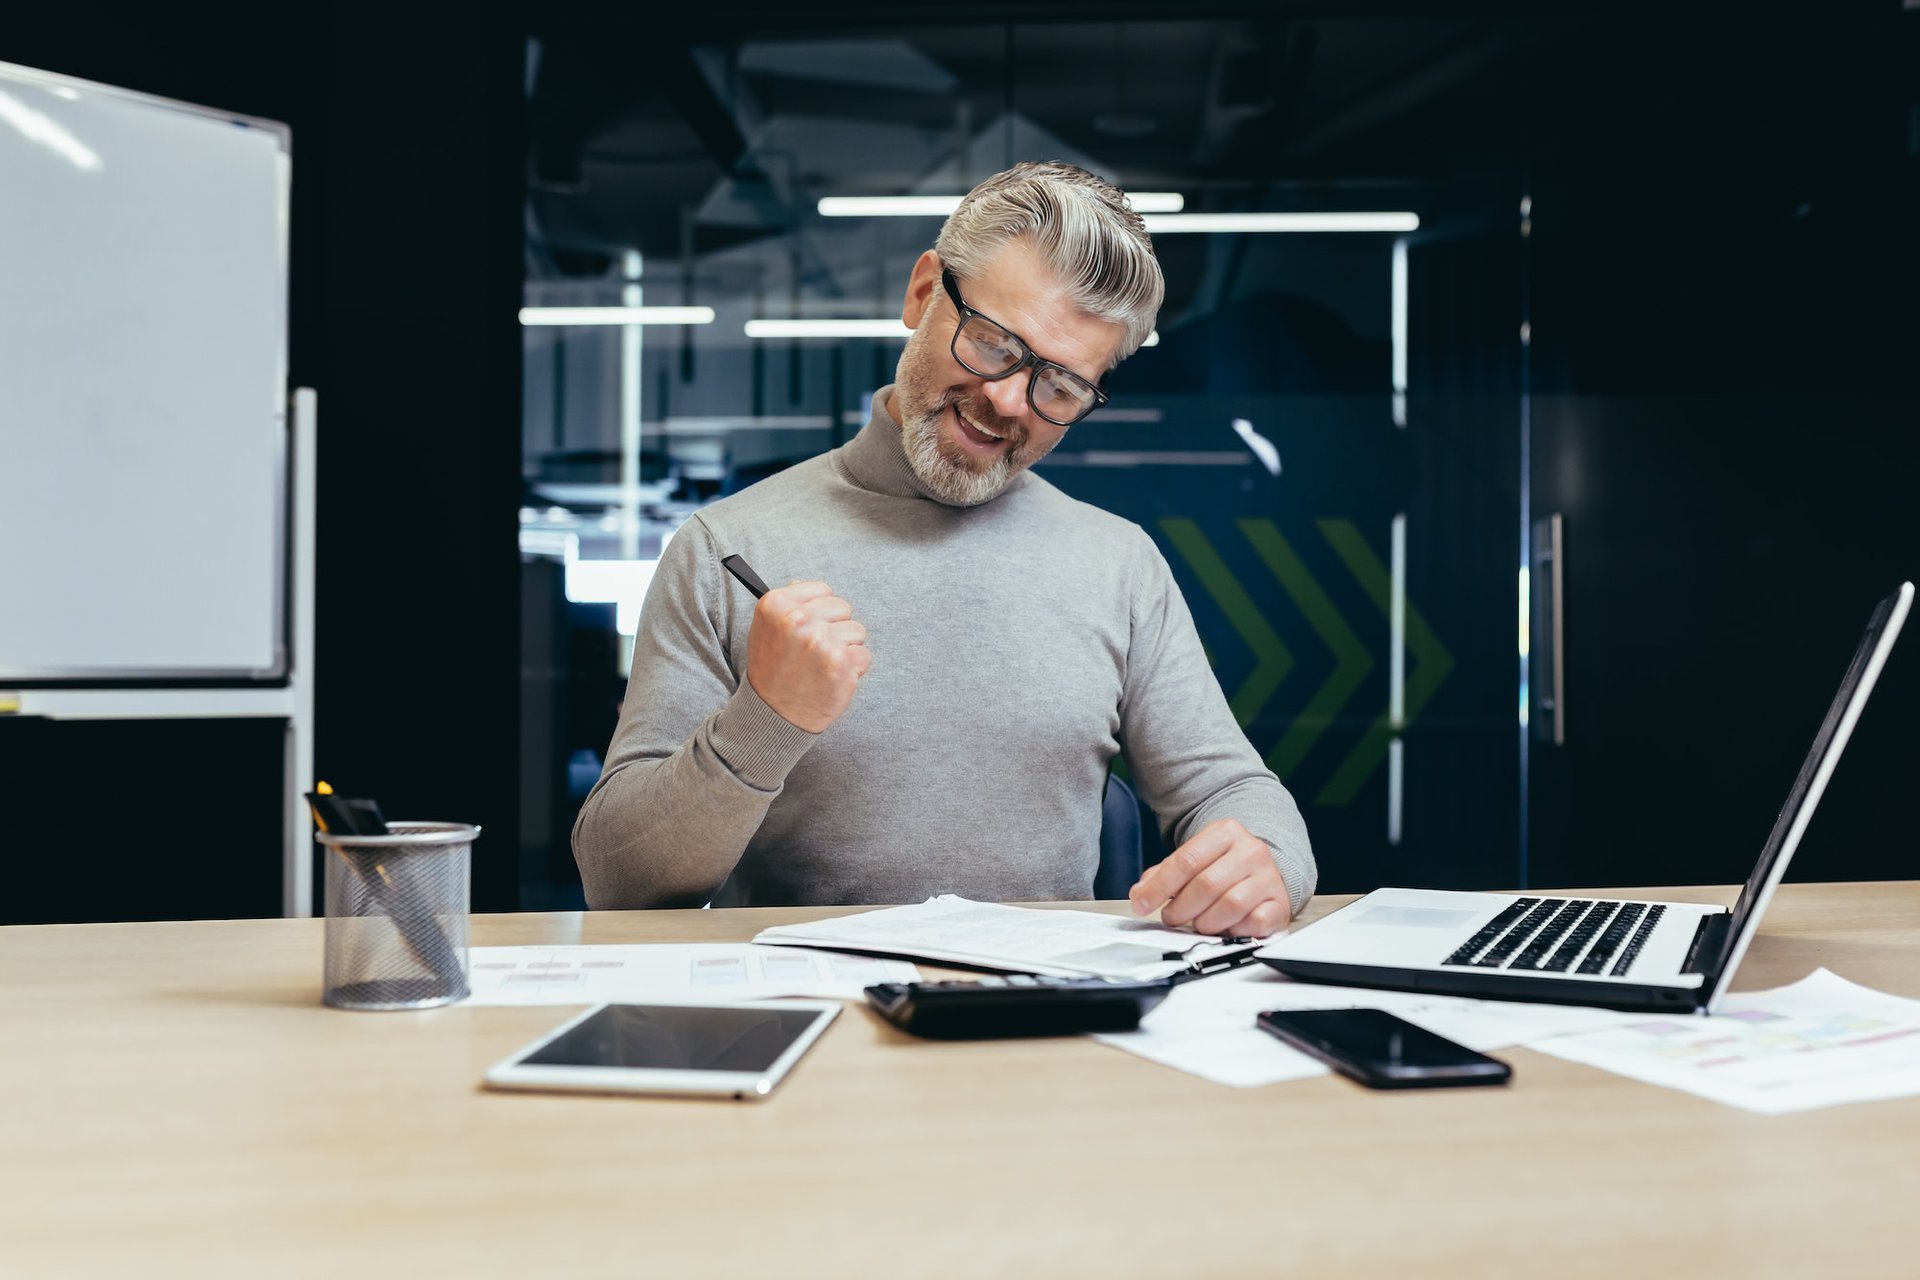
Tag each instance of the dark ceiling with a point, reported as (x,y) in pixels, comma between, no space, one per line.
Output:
(1670,149)
(632,139)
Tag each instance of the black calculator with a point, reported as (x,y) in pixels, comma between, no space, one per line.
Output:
(1016,1005)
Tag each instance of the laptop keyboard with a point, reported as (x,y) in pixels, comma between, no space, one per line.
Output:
(1554,935)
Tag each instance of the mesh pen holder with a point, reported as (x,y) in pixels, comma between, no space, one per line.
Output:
(397,908)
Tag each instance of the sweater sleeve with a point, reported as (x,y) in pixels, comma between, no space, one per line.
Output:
(697,756)
(1190,759)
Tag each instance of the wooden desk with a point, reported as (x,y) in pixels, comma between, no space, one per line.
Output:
(177,1099)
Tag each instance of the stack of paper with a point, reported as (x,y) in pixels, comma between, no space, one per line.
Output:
(1817,1043)
(1055,943)
(1206,1028)
(717,972)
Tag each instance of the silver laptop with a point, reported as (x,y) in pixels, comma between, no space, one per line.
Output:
(1578,950)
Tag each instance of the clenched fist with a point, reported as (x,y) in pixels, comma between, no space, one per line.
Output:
(805,654)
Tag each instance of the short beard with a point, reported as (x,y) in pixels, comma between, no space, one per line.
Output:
(950,479)
(949,475)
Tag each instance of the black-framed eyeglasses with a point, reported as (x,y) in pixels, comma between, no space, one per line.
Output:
(989,350)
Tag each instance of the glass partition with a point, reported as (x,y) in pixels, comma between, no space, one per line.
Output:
(1322,438)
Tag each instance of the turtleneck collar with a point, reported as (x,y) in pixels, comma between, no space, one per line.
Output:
(876,459)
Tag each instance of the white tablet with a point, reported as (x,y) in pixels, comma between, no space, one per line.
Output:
(728,1050)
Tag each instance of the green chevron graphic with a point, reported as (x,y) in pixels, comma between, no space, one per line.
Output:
(1351,660)
(1272,661)
(1430,663)
(1429,669)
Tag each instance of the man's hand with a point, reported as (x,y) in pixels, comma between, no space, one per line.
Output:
(805,654)
(1222,881)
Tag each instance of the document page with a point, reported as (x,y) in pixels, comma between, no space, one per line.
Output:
(1206,1028)
(717,972)
(1053,942)
(1820,1042)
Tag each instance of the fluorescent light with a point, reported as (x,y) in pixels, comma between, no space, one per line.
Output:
(1146,458)
(1526,625)
(828,329)
(615,315)
(887,206)
(941,206)
(852,328)
(1397,624)
(632,298)
(1396,774)
(749,422)
(1111,414)
(1399,333)
(1172,223)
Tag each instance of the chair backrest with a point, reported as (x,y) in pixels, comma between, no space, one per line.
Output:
(1119,841)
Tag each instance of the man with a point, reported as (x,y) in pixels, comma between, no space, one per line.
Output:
(932,703)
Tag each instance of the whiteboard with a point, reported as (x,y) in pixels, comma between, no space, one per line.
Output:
(143,339)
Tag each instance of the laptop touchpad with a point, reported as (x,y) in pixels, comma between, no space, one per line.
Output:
(1415,917)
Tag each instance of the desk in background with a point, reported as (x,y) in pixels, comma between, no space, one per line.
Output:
(176,1098)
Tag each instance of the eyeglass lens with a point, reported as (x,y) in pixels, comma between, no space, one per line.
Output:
(990,351)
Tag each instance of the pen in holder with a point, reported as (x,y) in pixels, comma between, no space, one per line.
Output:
(397,909)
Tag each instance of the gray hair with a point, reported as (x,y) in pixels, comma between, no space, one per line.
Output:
(1083,229)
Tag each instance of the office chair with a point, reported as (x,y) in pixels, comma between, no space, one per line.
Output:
(1119,841)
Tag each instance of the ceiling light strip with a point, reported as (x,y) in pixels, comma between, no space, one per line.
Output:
(940,206)
(615,315)
(828,329)
(856,328)
(1175,223)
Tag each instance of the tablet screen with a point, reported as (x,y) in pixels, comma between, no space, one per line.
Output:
(676,1037)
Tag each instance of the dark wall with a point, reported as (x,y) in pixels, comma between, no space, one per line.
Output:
(1698,181)
(405,281)
(1724,412)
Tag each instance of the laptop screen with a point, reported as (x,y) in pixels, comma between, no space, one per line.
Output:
(1882,628)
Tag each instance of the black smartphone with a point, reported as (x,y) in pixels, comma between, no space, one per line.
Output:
(1380,1050)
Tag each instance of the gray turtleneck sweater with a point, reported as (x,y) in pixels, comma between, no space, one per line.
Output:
(1018,646)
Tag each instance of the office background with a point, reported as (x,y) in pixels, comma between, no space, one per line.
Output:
(1663,285)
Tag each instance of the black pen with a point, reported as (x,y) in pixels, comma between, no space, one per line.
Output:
(740,569)
(1217,964)
(338,815)
(1222,940)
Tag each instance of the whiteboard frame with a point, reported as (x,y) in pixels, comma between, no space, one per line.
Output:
(286,691)
(291,703)
(280,673)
